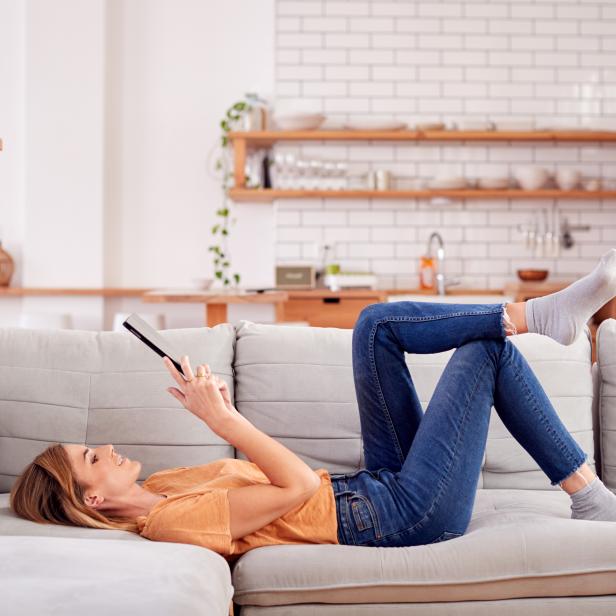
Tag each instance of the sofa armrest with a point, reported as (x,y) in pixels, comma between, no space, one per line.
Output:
(606,411)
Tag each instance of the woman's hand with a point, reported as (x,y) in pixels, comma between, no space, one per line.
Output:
(206,396)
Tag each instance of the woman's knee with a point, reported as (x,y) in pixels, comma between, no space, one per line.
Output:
(486,346)
(367,319)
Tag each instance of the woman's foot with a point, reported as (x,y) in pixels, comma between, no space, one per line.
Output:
(594,502)
(563,315)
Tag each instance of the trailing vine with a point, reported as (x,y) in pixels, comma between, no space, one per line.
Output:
(219,250)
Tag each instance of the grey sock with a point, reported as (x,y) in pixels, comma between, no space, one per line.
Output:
(594,502)
(563,315)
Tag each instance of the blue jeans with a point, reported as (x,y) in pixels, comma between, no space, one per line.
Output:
(422,470)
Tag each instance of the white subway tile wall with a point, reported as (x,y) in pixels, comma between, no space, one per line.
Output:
(548,61)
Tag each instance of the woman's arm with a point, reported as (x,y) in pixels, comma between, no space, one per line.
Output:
(282,467)
(208,399)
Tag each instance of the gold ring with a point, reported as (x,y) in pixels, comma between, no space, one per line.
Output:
(201,376)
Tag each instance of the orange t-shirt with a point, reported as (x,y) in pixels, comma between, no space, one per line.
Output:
(196,509)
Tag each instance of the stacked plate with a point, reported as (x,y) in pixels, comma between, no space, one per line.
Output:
(515,125)
(375,125)
(447,183)
(493,183)
(430,126)
(476,125)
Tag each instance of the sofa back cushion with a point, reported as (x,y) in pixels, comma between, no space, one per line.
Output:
(73,386)
(296,384)
(606,365)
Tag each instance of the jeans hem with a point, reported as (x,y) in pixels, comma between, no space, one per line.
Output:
(575,469)
(508,325)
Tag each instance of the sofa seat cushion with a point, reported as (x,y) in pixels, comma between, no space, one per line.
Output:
(12,525)
(75,576)
(520,543)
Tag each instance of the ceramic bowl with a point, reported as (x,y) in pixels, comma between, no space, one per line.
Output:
(592,184)
(203,283)
(568,179)
(534,275)
(299,121)
(530,177)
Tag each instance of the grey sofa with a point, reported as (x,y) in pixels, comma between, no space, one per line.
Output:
(522,554)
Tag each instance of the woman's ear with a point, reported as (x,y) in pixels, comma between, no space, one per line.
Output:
(93,500)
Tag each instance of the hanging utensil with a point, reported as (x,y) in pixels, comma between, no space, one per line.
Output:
(556,231)
(532,234)
(548,243)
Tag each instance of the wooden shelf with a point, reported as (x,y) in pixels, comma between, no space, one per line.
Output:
(243,140)
(105,292)
(269,194)
(259,138)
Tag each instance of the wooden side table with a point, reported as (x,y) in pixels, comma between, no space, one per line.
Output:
(216,302)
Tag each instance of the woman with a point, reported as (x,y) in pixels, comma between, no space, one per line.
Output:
(421,471)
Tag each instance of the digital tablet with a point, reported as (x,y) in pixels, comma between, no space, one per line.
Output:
(149,336)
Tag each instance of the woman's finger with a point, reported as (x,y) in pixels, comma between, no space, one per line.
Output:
(176,393)
(185,363)
(175,373)
(224,389)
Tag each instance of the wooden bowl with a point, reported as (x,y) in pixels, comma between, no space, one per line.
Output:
(534,275)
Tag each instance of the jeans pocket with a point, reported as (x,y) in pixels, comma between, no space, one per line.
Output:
(445,536)
(364,515)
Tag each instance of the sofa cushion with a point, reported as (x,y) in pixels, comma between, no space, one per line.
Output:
(606,362)
(74,386)
(520,543)
(75,576)
(12,525)
(296,384)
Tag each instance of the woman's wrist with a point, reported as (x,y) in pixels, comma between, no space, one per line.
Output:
(227,426)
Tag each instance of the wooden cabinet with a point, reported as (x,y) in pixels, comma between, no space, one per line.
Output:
(324,308)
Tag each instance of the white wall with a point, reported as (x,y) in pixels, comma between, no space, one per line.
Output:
(173,69)
(550,61)
(122,102)
(112,108)
(12,182)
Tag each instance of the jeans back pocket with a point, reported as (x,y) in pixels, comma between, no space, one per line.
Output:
(365,518)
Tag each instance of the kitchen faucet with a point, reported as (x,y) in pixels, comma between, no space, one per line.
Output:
(441,281)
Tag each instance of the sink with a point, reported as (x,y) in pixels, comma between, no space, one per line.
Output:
(495,298)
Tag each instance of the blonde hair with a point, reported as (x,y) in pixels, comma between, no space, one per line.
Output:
(47,492)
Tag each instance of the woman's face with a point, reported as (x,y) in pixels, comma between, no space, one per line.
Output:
(104,474)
